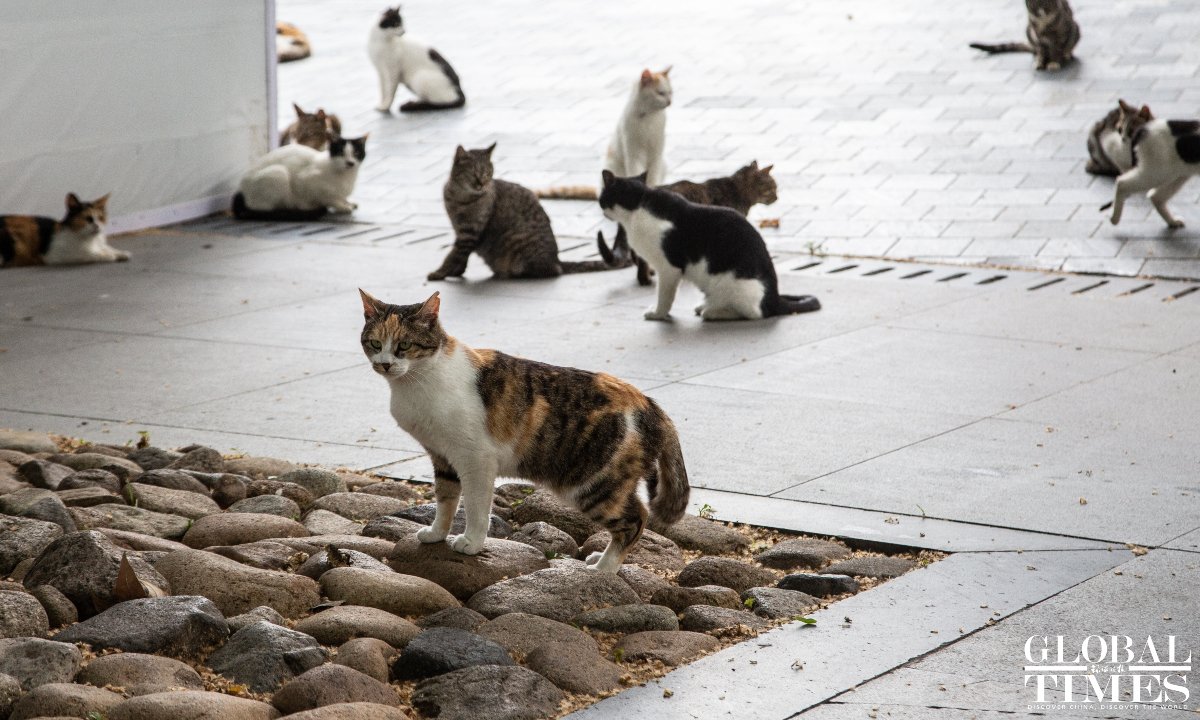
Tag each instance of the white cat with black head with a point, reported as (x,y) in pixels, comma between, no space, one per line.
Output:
(296,182)
(400,58)
(715,248)
(1165,154)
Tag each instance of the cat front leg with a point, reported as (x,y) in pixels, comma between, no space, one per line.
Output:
(1159,197)
(477,501)
(668,283)
(1134,181)
(108,253)
(446,489)
(387,89)
(343,206)
(455,263)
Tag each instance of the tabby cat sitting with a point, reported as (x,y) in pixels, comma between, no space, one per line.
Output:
(75,240)
(1052,35)
(744,189)
(1110,143)
(501,221)
(481,414)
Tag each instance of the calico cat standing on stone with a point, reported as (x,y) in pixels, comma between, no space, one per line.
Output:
(1110,143)
(399,58)
(481,414)
(501,221)
(296,183)
(75,240)
(747,187)
(1165,154)
(1052,33)
(311,129)
(715,248)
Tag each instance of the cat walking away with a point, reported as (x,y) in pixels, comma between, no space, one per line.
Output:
(311,129)
(501,221)
(1165,154)
(744,189)
(481,414)
(715,248)
(296,183)
(1052,35)
(75,240)
(400,58)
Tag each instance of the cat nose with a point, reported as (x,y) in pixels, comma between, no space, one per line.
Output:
(384,366)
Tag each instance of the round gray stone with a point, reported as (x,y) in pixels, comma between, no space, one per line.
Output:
(545,506)
(180,626)
(173,480)
(880,566)
(726,572)
(346,622)
(455,617)
(235,588)
(131,519)
(465,575)
(33,661)
(819,585)
(317,481)
(332,684)
(707,618)
(22,538)
(262,613)
(268,505)
(558,593)
(83,566)
(21,615)
(391,528)
(651,549)
(193,705)
(324,522)
(708,536)
(259,467)
(669,648)
(320,563)
(43,474)
(263,656)
(441,650)
(184,503)
(238,528)
(398,594)
(369,656)
(81,479)
(358,506)
(496,692)
(140,674)
(802,553)
(153,458)
(547,538)
(775,604)
(424,514)
(65,700)
(679,598)
(629,619)
(59,609)
(37,504)
(575,668)
(520,633)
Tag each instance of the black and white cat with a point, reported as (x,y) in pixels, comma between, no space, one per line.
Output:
(295,182)
(400,58)
(1165,154)
(716,248)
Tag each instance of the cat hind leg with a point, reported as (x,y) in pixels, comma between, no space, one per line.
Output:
(1163,193)
(1136,180)
(624,529)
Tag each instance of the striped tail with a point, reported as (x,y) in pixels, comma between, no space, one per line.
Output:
(567,192)
(1009,47)
(669,495)
(583,266)
(241,212)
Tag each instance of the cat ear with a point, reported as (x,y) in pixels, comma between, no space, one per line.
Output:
(1145,112)
(102,201)
(320,113)
(372,308)
(766,170)
(753,164)
(427,314)
(643,178)
(299,112)
(460,152)
(647,78)
(1125,106)
(73,201)
(667,71)
(490,148)
(607,177)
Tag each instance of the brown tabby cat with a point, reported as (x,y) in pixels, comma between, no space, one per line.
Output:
(1110,142)
(744,189)
(75,240)
(481,414)
(1052,33)
(311,129)
(501,221)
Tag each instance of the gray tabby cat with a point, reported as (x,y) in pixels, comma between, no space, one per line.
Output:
(1052,33)
(501,221)
(1110,143)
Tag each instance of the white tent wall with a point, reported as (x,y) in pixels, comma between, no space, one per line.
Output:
(163,103)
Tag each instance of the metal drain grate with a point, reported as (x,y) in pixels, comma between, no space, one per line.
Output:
(1025,280)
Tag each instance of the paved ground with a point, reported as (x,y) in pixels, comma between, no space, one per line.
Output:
(1032,423)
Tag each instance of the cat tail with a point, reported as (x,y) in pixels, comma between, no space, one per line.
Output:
(1010,47)
(423,106)
(586,266)
(795,304)
(618,256)
(241,212)
(669,495)
(568,192)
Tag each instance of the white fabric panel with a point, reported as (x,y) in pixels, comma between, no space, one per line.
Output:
(161,102)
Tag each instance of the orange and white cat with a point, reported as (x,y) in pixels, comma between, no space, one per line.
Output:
(77,239)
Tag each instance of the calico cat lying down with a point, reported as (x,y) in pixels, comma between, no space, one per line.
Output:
(744,189)
(1052,34)
(715,248)
(481,414)
(501,221)
(1165,154)
(75,240)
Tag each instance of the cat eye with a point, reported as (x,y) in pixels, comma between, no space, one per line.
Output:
(403,345)
(376,345)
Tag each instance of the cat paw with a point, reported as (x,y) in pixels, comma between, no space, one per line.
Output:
(1115,219)
(436,275)
(594,558)
(429,535)
(384,108)
(656,315)
(700,309)
(122,256)
(466,546)
(1175,224)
